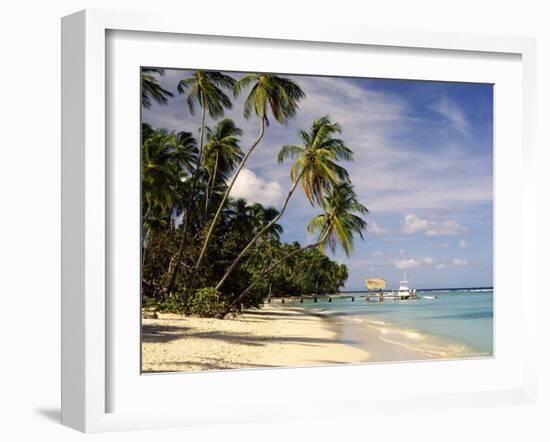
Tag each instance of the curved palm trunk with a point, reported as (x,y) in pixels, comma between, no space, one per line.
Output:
(259,234)
(186,216)
(226,195)
(205,197)
(144,248)
(144,235)
(268,270)
(213,178)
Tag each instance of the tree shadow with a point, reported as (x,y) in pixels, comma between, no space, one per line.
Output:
(252,340)
(211,364)
(157,333)
(153,333)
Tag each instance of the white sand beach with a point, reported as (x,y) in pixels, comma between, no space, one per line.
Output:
(274,336)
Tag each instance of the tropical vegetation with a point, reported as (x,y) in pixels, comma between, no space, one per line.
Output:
(206,253)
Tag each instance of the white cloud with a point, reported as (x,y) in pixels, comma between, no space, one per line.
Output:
(441,245)
(406,263)
(460,262)
(454,114)
(440,266)
(376,254)
(375,229)
(412,224)
(428,260)
(255,189)
(463,243)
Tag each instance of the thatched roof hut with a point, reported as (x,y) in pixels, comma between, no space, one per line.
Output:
(375,284)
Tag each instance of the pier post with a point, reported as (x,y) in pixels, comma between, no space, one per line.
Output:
(353,299)
(329,299)
(282,300)
(315,299)
(301,300)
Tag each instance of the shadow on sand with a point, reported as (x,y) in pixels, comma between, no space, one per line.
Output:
(211,364)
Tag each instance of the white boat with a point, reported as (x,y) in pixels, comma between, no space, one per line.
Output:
(404,291)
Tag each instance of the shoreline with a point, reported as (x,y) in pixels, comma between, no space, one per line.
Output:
(281,336)
(389,342)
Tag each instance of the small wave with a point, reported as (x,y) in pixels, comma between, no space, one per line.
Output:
(413,340)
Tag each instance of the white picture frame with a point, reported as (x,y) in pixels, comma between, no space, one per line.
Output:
(86,315)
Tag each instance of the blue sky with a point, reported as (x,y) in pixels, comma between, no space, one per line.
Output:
(423,167)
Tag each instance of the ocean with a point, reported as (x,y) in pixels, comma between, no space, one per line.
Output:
(459,323)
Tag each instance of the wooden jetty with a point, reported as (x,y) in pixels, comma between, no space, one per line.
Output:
(368,297)
(376,292)
(313,298)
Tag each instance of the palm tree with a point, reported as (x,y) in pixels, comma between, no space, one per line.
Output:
(165,159)
(264,217)
(221,153)
(205,87)
(186,154)
(241,217)
(337,225)
(315,168)
(159,175)
(151,89)
(280,95)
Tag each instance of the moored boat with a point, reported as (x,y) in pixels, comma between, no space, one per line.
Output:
(404,291)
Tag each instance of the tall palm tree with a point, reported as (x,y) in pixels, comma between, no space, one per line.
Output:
(221,153)
(166,158)
(315,168)
(280,95)
(206,88)
(186,154)
(151,89)
(159,175)
(337,225)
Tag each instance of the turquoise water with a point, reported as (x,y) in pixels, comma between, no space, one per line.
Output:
(463,318)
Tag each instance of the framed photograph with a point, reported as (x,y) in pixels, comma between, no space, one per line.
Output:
(260,224)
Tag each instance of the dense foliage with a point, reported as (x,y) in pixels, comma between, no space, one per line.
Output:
(206,253)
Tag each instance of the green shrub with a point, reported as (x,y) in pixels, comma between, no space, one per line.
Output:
(148,302)
(172,304)
(207,302)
